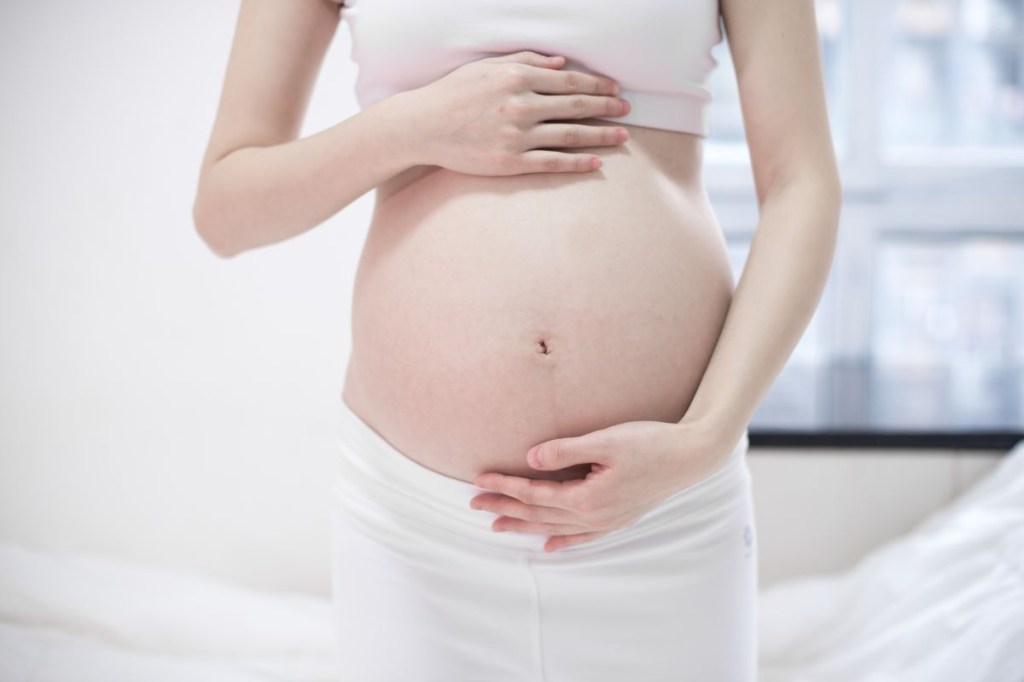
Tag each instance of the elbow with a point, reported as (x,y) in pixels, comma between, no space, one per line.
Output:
(830,197)
(831,194)
(834,188)
(827,188)
(207,230)
(836,194)
(827,193)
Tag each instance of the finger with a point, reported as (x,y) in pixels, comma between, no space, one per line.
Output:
(562,541)
(544,161)
(558,82)
(532,58)
(595,450)
(548,135)
(510,506)
(556,107)
(519,526)
(535,491)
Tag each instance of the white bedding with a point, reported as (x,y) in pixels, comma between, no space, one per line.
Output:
(944,603)
(67,617)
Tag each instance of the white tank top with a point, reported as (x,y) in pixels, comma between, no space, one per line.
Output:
(658,51)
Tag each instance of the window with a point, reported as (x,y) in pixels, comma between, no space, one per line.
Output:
(921,326)
(948,338)
(956,77)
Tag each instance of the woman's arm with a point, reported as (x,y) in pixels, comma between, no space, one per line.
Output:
(774,45)
(259,184)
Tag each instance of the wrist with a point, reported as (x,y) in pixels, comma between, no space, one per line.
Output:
(410,124)
(710,435)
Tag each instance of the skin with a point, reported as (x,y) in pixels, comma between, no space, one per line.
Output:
(606,336)
(775,52)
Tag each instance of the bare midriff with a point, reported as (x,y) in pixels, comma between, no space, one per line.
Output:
(493,313)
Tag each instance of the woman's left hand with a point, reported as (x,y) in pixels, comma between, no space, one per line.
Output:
(635,466)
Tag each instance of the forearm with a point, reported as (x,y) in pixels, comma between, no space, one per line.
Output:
(780,288)
(256,196)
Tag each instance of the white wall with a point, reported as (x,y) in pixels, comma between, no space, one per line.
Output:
(163,405)
(157,402)
(820,510)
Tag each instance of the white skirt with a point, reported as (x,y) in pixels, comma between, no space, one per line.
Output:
(425,591)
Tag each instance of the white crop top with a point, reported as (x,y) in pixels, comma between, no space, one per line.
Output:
(659,51)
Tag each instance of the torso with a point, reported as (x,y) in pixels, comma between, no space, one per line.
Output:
(492,313)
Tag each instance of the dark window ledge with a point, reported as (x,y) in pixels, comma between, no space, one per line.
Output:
(952,440)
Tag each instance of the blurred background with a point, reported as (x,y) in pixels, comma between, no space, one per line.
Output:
(922,324)
(165,406)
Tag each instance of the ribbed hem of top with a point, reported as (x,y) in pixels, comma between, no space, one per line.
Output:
(670,111)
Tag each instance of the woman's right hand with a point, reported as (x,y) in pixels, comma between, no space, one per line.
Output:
(489,117)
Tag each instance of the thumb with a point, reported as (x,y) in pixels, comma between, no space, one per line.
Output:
(560,453)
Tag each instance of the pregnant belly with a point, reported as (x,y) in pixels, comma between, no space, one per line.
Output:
(491,314)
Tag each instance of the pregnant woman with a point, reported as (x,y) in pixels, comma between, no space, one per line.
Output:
(542,454)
